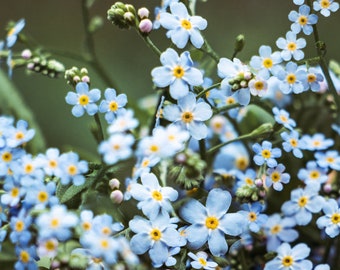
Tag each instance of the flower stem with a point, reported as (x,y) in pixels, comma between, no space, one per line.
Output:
(149,43)
(204,91)
(99,130)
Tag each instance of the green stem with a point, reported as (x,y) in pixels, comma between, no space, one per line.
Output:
(149,43)
(321,51)
(99,133)
(226,108)
(203,149)
(208,50)
(204,91)
(91,56)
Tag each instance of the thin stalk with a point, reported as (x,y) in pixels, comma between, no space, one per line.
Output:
(204,91)
(149,43)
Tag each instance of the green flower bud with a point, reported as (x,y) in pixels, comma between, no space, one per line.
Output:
(74,75)
(239,43)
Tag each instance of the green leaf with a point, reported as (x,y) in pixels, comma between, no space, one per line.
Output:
(12,103)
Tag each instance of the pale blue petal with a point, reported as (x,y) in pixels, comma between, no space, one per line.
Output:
(162,76)
(78,110)
(150,181)
(180,37)
(168,21)
(193,212)
(169,57)
(172,113)
(91,108)
(198,130)
(217,244)
(82,88)
(139,225)
(193,76)
(233,224)
(179,10)
(94,95)
(187,103)
(196,38)
(178,89)
(300,251)
(140,243)
(218,202)
(202,111)
(71,98)
(199,22)
(197,235)
(158,253)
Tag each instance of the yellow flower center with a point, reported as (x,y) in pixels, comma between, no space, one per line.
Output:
(187,117)
(230,100)
(6,157)
(106,230)
(291,78)
(42,196)
(266,153)
(293,142)
(145,163)
(275,176)
(287,261)
(302,201)
(83,100)
(267,62)
(283,118)
(311,78)
(155,234)
(291,46)
(53,164)
(24,256)
(202,261)
(252,216)
(113,106)
(303,20)
(19,226)
(72,170)
(86,225)
(314,175)
(28,168)
(211,222)
(97,260)
(325,3)
(54,223)
(154,148)
(178,72)
(104,243)
(330,160)
(116,146)
(259,85)
(157,195)
(19,135)
(316,143)
(50,245)
(186,24)
(14,192)
(242,163)
(335,218)
(11,32)
(276,229)
(249,181)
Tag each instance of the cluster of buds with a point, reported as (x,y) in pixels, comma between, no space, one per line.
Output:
(116,195)
(74,76)
(122,15)
(249,194)
(241,80)
(188,170)
(40,64)
(145,24)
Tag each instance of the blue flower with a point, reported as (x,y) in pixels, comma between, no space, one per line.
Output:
(266,154)
(112,105)
(290,258)
(292,79)
(57,223)
(282,117)
(253,214)
(156,235)
(13,32)
(276,177)
(330,159)
(41,195)
(190,115)
(292,143)
(117,147)
(278,230)
(177,72)
(124,121)
(72,169)
(275,95)
(153,199)
(302,20)
(303,202)
(181,26)
(83,100)
(27,257)
(317,141)
(200,261)
(20,234)
(313,173)
(314,79)
(331,220)
(291,47)
(325,6)
(211,223)
(298,2)
(265,62)
(19,135)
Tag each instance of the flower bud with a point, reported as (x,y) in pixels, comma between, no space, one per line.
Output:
(114,183)
(26,54)
(145,26)
(116,196)
(143,13)
(239,43)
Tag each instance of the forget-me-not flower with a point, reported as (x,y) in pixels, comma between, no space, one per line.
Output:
(330,159)
(13,32)
(331,220)
(290,258)
(325,6)
(302,20)
(190,115)
(182,27)
(316,142)
(210,223)
(276,177)
(84,100)
(291,46)
(252,212)
(313,173)
(292,79)
(72,169)
(177,72)
(112,105)
(282,117)
(292,143)
(303,202)
(265,153)
(201,261)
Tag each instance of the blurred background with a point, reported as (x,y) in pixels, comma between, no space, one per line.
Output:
(58,26)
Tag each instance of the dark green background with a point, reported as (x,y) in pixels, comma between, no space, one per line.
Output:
(57,24)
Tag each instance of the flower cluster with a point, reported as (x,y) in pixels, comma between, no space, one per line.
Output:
(236,167)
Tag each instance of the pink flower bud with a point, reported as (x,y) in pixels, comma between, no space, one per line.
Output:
(114,183)
(26,54)
(85,79)
(143,13)
(145,26)
(116,196)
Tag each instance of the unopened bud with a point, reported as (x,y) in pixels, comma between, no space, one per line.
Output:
(327,188)
(145,26)
(26,54)
(143,13)
(239,43)
(259,182)
(116,196)
(114,183)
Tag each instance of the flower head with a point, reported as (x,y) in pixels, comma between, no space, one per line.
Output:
(302,20)
(13,32)
(266,154)
(177,72)
(112,105)
(84,100)
(325,6)
(182,27)
(331,220)
(291,47)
